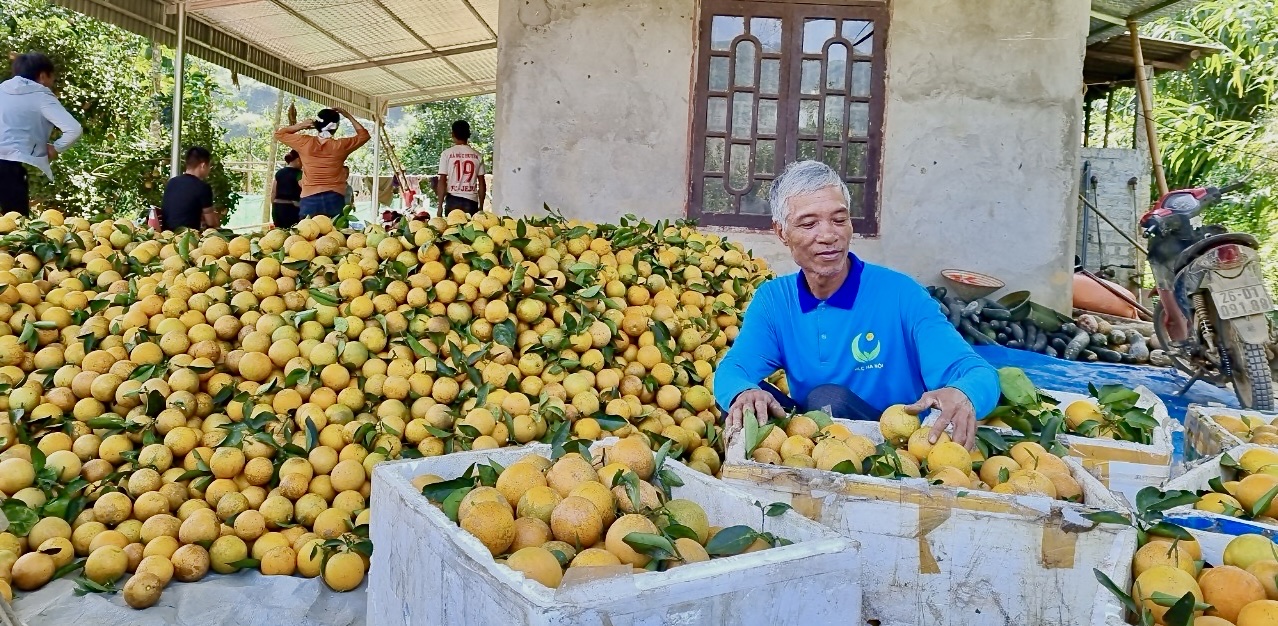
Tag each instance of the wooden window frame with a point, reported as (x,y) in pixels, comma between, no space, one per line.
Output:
(793,15)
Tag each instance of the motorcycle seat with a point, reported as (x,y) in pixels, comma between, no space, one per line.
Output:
(1197,249)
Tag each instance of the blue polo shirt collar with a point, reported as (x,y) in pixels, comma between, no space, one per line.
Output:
(844,298)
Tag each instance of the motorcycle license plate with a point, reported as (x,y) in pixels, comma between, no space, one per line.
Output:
(1241,296)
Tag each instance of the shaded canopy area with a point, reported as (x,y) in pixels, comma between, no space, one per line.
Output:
(364,55)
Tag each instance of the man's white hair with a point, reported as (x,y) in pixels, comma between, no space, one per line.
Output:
(802,177)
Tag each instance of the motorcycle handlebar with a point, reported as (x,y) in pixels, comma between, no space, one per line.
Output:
(1234,186)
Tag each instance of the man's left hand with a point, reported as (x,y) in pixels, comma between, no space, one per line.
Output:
(955,410)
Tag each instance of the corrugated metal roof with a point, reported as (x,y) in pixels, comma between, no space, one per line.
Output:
(352,53)
(1141,10)
(362,53)
(1109,64)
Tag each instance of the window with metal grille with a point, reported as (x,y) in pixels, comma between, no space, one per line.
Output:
(780,82)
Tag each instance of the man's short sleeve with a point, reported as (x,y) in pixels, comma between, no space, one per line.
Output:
(206,196)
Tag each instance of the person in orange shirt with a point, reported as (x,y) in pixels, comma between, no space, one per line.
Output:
(323,179)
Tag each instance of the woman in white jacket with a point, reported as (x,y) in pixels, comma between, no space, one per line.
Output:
(28,113)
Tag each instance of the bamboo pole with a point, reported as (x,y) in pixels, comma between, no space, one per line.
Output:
(1146,106)
(274,151)
(1109,114)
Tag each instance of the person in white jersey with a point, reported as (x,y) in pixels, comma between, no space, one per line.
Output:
(461,174)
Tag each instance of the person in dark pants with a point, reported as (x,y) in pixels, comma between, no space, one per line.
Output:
(349,194)
(461,174)
(323,180)
(187,196)
(286,191)
(28,113)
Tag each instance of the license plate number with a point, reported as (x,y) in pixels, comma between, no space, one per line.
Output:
(1242,301)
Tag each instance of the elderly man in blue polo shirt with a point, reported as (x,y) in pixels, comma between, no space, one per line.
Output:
(852,337)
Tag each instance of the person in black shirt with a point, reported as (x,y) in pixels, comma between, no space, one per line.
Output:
(187,196)
(286,191)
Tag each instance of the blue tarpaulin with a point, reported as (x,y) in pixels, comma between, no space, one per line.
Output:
(1052,373)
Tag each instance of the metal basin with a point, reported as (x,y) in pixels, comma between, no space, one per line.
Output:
(970,285)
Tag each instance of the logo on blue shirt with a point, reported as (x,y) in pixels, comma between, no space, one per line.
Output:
(862,356)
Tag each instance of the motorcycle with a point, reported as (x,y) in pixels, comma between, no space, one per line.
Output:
(1211,317)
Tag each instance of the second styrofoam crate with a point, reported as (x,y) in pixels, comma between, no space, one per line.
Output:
(940,556)
(1124,466)
(426,570)
(1198,478)
(1205,437)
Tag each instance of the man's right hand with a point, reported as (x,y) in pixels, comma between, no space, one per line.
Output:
(52,152)
(757,400)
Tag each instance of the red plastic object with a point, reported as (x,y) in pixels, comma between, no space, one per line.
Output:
(1090,296)
(971,285)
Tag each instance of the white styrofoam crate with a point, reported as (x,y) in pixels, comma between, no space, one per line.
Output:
(1212,528)
(1205,437)
(426,570)
(1213,531)
(1124,466)
(943,556)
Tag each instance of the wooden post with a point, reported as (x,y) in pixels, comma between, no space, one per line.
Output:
(1109,114)
(1087,120)
(1146,106)
(274,151)
(377,164)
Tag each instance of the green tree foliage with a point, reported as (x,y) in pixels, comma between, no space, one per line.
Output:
(121,91)
(430,131)
(1216,121)
(1239,82)
(1215,115)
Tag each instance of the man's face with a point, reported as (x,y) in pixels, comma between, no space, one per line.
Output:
(818,231)
(202,170)
(46,79)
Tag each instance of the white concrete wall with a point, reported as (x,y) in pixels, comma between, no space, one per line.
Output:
(1113,168)
(593,106)
(981,137)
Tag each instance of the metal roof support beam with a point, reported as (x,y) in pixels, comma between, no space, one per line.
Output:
(334,38)
(408,58)
(200,5)
(429,48)
(480,18)
(410,98)
(179,59)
